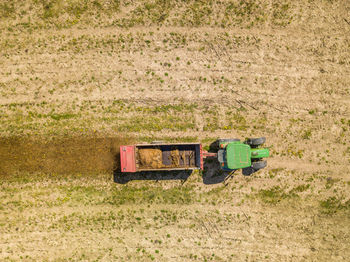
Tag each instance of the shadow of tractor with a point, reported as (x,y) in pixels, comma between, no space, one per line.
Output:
(123,178)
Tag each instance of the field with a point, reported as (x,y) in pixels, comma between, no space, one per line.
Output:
(80,78)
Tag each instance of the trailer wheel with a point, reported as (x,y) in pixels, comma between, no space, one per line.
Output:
(259,165)
(255,141)
(120,178)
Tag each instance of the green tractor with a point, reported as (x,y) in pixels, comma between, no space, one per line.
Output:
(233,154)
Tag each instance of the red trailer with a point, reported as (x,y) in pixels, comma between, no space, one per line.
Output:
(156,157)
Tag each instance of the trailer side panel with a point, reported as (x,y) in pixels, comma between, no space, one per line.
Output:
(127,159)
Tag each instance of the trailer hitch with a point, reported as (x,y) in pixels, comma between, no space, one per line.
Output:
(209,154)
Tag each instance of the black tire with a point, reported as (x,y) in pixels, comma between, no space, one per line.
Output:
(247,171)
(120,178)
(259,165)
(255,141)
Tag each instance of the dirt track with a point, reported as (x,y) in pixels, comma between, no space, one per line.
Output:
(60,155)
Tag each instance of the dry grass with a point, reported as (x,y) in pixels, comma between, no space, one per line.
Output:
(80,217)
(175,71)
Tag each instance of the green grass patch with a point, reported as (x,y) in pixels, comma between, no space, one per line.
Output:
(182,139)
(68,13)
(7,10)
(62,116)
(333,205)
(154,123)
(274,195)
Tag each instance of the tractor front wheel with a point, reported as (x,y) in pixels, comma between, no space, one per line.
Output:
(255,141)
(259,165)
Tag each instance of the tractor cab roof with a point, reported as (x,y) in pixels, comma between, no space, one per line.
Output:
(238,155)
